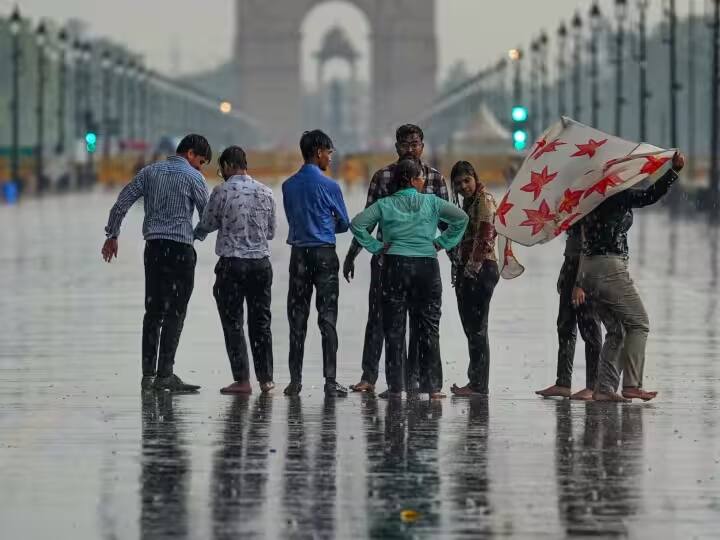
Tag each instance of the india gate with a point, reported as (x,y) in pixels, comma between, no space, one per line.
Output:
(267,61)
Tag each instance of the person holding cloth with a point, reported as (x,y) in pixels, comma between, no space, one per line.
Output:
(411,273)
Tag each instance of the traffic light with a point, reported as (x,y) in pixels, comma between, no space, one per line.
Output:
(519,115)
(90,141)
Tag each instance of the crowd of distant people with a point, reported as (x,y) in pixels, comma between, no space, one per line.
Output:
(408,202)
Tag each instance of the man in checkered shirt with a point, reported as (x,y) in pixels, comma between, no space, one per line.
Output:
(409,145)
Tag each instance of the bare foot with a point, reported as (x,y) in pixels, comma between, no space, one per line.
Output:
(438,395)
(638,393)
(267,387)
(237,388)
(363,386)
(612,396)
(554,391)
(583,395)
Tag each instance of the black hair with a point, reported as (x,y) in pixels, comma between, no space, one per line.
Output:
(459,170)
(406,130)
(312,141)
(405,172)
(233,157)
(196,143)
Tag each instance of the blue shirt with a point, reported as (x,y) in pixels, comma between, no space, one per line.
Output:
(171,191)
(314,207)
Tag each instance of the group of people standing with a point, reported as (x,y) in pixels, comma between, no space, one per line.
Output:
(408,201)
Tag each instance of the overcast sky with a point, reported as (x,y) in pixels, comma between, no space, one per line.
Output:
(187,35)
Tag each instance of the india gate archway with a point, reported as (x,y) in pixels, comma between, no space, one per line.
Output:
(267,62)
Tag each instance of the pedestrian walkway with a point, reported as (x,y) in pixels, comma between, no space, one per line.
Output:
(82,455)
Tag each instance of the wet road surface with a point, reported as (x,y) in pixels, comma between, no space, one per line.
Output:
(83,455)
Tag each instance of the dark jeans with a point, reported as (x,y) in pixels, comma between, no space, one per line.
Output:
(374,333)
(412,284)
(239,281)
(568,321)
(473,296)
(169,281)
(313,267)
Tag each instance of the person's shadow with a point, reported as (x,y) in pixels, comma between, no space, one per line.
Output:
(600,474)
(403,482)
(309,487)
(240,472)
(164,469)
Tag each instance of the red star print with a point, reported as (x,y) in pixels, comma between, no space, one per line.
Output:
(503,209)
(538,181)
(547,148)
(588,149)
(570,200)
(565,225)
(653,164)
(602,186)
(538,145)
(538,218)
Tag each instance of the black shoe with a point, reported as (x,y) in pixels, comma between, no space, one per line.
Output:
(147,382)
(333,389)
(293,389)
(173,383)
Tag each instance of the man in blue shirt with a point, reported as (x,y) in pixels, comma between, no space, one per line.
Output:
(315,211)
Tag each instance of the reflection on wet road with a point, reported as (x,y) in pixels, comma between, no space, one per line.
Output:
(84,455)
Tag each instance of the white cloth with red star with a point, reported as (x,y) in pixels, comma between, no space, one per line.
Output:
(569,171)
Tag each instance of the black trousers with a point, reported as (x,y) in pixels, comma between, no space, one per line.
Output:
(473,297)
(374,333)
(169,281)
(239,281)
(313,267)
(412,285)
(568,321)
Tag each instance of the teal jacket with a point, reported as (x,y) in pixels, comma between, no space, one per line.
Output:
(409,222)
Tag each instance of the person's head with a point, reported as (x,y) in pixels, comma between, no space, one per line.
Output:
(317,148)
(464,179)
(232,161)
(196,149)
(407,174)
(409,142)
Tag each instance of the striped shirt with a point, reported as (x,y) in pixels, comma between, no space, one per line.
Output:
(242,210)
(170,190)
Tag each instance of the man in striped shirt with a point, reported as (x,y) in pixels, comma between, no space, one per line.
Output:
(171,191)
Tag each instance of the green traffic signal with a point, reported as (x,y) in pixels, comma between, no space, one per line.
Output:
(90,142)
(519,113)
(520,138)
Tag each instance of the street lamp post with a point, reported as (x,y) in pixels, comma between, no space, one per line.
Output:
(561,64)
(106,65)
(130,77)
(543,40)
(89,108)
(534,108)
(621,11)
(595,21)
(62,90)
(715,127)
(674,85)
(577,75)
(78,88)
(120,110)
(641,58)
(15,24)
(40,38)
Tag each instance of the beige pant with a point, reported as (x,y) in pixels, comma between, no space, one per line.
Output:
(607,281)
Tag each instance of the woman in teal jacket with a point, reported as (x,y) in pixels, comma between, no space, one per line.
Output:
(411,274)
